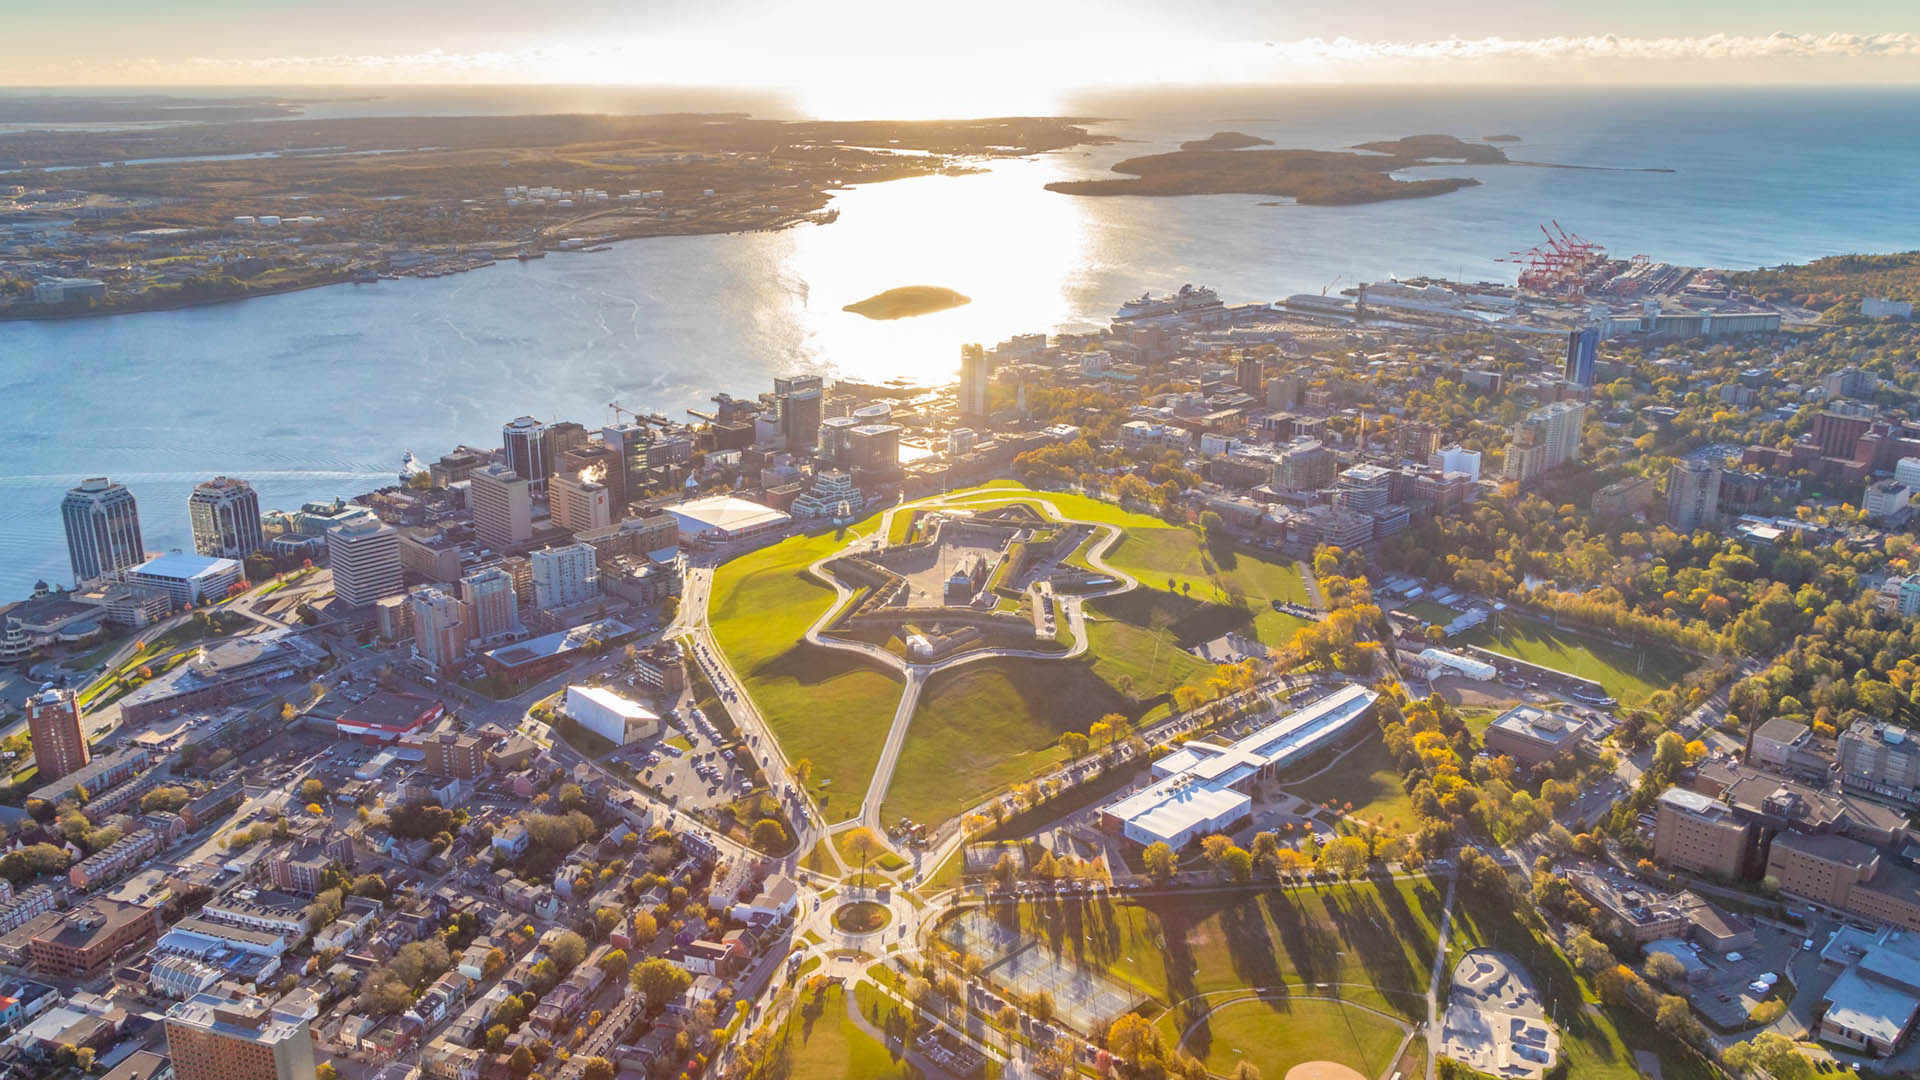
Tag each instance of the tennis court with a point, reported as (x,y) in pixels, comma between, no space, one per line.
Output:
(1082,997)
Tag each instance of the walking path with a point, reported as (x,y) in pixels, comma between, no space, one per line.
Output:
(1439,968)
(914,676)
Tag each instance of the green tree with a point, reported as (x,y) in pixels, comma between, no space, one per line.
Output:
(769,835)
(862,844)
(614,963)
(659,981)
(1158,859)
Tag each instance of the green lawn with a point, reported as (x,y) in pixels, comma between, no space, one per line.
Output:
(820,1042)
(823,706)
(886,860)
(1276,1035)
(1178,560)
(1138,640)
(1429,612)
(982,727)
(1366,777)
(1374,940)
(1629,675)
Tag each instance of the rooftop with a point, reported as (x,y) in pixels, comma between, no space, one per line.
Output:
(1868,1006)
(184,567)
(560,644)
(1539,725)
(607,699)
(247,1018)
(726,513)
(1197,780)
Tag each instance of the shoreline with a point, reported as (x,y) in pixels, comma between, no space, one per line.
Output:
(351,277)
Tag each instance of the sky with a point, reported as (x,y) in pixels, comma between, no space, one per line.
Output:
(907,56)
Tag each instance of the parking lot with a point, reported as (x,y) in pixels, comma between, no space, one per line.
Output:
(691,764)
(1728,993)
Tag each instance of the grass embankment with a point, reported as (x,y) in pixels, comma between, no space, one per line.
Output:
(1630,675)
(825,706)
(1276,1035)
(1367,779)
(985,726)
(992,724)
(820,1042)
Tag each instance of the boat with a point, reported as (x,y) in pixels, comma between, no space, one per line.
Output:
(410,467)
(1190,300)
(530,254)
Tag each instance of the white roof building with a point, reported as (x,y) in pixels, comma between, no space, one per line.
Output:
(187,579)
(1444,661)
(725,517)
(1198,789)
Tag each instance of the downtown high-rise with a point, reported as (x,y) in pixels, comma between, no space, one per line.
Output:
(225,514)
(103,529)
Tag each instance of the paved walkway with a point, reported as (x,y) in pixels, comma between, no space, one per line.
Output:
(1433,981)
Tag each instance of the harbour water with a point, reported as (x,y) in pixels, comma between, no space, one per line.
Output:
(318,393)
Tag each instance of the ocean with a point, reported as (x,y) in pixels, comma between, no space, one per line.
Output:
(319,393)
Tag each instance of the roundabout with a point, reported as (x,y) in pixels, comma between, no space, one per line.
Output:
(862,917)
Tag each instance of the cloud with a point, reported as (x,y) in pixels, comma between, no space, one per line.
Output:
(796,59)
(1603,47)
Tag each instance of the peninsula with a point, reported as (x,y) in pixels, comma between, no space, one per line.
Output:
(197,213)
(907,301)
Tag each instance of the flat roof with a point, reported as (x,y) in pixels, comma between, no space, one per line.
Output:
(184,567)
(607,699)
(1870,1007)
(1198,779)
(388,711)
(1537,724)
(1691,801)
(560,644)
(726,513)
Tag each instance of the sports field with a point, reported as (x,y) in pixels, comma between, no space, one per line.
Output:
(1373,940)
(1278,1033)
(1630,675)
(825,706)
(1429,612)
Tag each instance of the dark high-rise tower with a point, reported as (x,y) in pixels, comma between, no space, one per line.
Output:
(103,529)
(1583,347)
(525,440)
(226,518)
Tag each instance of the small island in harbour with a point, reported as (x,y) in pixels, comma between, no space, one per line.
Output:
(1361,174)
(907,301)
(1226,140)
(1499,138)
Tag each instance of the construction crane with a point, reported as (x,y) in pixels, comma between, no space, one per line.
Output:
(620,410)
(1560,264)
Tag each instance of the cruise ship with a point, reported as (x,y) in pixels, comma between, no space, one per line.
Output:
(1190,300)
